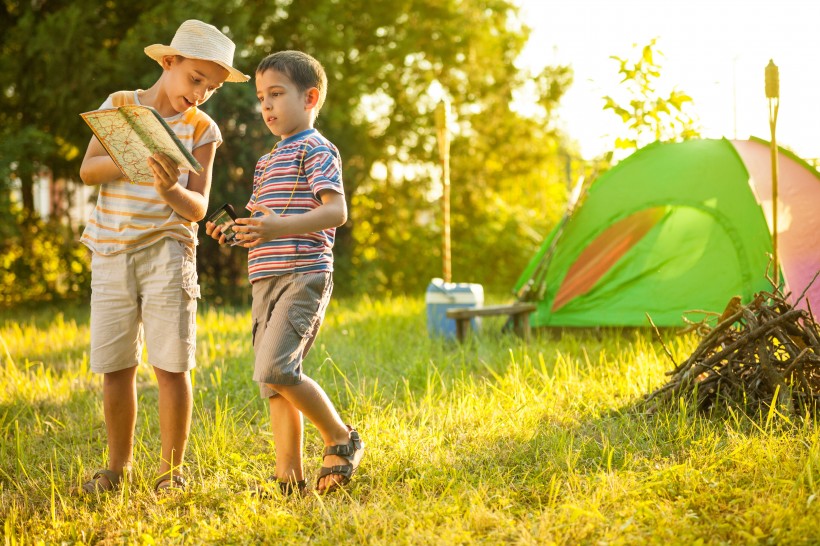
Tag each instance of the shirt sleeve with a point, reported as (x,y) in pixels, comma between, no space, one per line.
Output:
(205,132)
(109,103)
(323,168)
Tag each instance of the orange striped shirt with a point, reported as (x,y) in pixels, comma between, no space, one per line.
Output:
(129,217)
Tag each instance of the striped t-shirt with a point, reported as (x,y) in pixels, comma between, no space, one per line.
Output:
(288,181)
(131,216)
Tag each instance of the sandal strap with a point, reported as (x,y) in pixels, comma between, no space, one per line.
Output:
(289,488)
(344,470)
(94,486)
(346,450)
(286,488)
(175,479)
(112,476)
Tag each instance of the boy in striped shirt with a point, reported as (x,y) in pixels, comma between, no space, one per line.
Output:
(143,238)
(297,203)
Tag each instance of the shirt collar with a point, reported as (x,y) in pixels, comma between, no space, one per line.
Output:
(297,136)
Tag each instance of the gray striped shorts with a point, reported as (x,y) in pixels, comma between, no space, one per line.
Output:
(287,312)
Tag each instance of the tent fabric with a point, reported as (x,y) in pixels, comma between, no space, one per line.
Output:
(798,220)
(676,227)
(604,252)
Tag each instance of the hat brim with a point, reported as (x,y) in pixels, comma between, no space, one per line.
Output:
(158,51)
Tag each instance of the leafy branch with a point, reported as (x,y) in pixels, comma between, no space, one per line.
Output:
(649,115)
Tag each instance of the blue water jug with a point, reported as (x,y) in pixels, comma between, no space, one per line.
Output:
(442,296)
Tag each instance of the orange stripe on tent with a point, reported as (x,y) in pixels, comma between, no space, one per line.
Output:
(604,252)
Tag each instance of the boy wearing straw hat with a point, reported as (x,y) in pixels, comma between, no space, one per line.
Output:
(298,201)
(143,241)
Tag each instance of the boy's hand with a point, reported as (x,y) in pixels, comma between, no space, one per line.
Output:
(257,230)
(165,172)
(215,231)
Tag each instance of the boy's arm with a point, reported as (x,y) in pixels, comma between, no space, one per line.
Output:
(261,229)
(192,202)
(98,167)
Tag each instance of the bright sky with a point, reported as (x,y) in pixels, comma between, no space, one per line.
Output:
(714,50)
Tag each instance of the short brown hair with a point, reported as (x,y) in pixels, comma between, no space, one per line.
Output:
(302,69)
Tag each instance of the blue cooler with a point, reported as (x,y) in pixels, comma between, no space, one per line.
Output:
(442,296)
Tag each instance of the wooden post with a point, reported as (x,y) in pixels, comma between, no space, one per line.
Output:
(773,96)
(443,135)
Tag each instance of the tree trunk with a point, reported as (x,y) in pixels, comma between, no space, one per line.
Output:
(27,191)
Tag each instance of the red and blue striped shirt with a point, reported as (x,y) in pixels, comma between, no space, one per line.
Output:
(288,181)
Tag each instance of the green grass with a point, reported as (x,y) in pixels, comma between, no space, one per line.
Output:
(492,441)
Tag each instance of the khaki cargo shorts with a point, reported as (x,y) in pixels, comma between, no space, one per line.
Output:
(148,295)
(287,312)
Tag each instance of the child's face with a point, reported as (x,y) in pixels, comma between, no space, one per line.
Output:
(285,110)
(192,81)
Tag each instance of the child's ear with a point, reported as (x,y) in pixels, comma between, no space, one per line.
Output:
(311,98)
(168,61)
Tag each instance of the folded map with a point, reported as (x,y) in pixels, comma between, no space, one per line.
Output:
(132,133)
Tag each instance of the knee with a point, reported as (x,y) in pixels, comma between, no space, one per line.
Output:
(274,390)
(121,377)
(177,378)
(283,387)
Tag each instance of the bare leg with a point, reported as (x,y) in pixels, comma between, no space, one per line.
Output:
(309,398)
(288,428)
(120,408)
(175,407)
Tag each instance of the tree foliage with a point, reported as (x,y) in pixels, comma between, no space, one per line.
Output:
(42,264)
(387,64)
(648,114)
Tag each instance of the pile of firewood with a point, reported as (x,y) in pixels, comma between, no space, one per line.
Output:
(763,353)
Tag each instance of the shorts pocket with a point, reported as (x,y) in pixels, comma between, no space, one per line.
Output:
(192,290)
(301,320)
(102,267)
(189,277)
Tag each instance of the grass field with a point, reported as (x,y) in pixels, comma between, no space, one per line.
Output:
(488,442)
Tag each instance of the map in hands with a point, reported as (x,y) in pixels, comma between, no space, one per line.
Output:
(132,133)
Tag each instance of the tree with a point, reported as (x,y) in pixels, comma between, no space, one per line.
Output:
(59,59)
(648,114)
(467,50)
(383,60)
(508,200)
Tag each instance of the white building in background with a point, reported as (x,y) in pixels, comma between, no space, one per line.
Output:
(57,195)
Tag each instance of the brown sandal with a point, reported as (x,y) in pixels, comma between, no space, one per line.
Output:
(95,484)
(174,481)
(353,451)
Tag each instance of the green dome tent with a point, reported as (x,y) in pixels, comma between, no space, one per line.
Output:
(677,227)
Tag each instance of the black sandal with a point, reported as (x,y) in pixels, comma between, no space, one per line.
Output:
(353,451)
(175,482)
(289,488)
(286,488)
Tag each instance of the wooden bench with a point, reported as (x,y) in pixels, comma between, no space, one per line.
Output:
(518,312)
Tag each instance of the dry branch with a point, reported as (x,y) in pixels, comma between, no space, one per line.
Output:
(754,354)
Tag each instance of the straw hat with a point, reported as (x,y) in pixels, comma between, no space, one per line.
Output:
(197,40)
